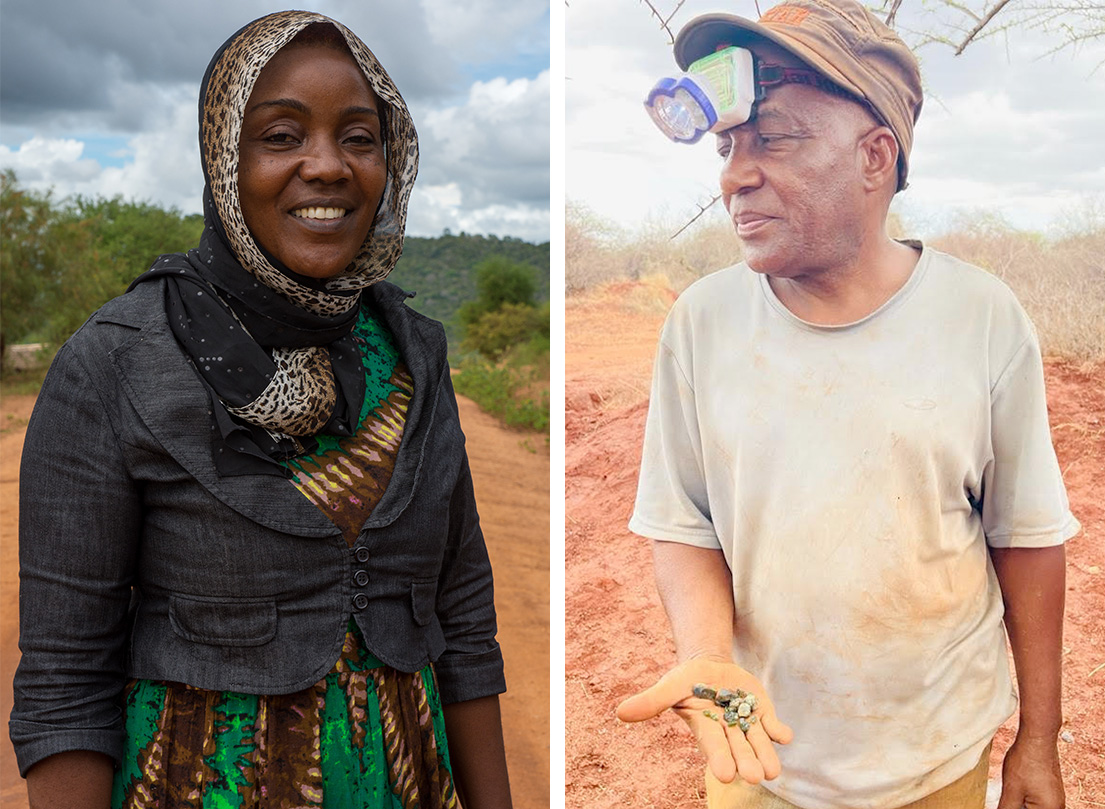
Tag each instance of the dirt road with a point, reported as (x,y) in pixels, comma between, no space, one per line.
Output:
(511,474)
(616,635)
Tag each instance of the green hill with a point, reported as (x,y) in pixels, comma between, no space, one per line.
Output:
(441,271)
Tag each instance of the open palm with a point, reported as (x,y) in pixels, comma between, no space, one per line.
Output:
(728,751)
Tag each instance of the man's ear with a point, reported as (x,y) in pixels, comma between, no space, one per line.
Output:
(879,152)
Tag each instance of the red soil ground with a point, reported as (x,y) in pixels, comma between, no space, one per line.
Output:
(510,471)
(616,635)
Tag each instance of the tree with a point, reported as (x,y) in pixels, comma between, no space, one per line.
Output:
(45,274)
(59,262)
(500,281)
(130,235)
(958,23)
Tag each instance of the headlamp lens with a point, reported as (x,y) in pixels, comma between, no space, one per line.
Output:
(681,109)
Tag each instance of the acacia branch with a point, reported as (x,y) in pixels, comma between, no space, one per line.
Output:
(701,210)
(894,6)
(663,22)
(981,24)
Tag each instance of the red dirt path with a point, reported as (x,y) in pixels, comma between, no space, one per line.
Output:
(616,634)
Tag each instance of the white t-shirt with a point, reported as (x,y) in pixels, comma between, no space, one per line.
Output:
(853,477)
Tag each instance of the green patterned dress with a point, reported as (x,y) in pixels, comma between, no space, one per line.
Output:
(364,737)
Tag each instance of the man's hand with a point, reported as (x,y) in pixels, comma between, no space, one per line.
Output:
(729,751)
(1030,775)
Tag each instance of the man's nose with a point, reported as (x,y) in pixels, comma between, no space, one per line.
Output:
(741,171)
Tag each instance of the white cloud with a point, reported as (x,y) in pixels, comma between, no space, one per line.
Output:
(162,165)
(485,163)
(44,162)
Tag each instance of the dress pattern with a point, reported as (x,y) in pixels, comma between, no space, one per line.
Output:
(366,736)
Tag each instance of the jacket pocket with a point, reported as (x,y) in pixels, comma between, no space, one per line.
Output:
(220,622)
(423,599)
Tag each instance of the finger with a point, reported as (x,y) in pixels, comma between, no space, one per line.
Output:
(748,766)
(653,701)
(712,741)
(765,751)
(778,732)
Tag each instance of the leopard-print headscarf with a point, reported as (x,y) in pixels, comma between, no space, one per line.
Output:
(273,347)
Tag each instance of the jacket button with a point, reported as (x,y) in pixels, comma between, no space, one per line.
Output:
(362,554)
(360,601)
(360,578)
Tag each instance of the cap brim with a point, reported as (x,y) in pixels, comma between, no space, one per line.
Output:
(702,35)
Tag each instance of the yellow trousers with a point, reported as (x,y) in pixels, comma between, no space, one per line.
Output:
(969,792)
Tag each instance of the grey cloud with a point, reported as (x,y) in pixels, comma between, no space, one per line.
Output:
(58,56)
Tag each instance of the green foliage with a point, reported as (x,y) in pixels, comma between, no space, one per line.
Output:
(442,271)
(131,235)
(509,334)
(61,261)
(500,282)
(493,333)
(45,269)
(505,392)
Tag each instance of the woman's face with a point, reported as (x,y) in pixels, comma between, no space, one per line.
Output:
(311,165)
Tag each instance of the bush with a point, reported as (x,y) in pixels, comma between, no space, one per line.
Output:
(494,333)
(506,393)
(501,282)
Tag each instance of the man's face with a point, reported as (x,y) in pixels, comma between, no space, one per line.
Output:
(792,177)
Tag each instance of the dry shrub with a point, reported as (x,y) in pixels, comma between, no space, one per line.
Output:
(1059,279)
(597,253)
(589,247)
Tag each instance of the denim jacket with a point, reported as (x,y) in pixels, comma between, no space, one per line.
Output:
(138,560)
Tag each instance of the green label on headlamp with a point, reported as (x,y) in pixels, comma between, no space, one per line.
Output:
(718,69)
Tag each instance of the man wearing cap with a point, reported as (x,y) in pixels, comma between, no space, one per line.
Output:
(847,470)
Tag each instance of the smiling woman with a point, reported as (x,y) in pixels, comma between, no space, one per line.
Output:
(251,564)
(311,168)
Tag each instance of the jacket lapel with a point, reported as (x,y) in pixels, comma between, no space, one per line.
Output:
(172,403)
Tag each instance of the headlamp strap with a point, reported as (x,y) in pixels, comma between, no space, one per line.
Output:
(774,75)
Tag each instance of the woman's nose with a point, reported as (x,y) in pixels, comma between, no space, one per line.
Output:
(741,171)
(323,159)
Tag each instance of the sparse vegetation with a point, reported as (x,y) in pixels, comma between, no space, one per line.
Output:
(506,340)
(1058,277)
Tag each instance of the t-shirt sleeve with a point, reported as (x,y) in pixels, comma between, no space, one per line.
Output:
(1024,501)
(672,502)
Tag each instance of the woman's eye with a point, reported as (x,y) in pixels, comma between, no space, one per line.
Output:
(361,138)
(280,137)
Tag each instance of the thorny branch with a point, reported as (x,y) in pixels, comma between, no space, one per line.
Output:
(961,22)
(981,24)
(893,11)
(665,22)
(701,210)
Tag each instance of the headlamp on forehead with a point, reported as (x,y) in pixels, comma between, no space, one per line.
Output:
(720,91)
(716,92)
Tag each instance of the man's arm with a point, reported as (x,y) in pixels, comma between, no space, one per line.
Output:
(1033,587)
(696,588)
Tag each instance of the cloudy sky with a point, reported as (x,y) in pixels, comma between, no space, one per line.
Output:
(100,99)
(1004,129)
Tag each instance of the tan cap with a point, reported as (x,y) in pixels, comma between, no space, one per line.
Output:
(841,40)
